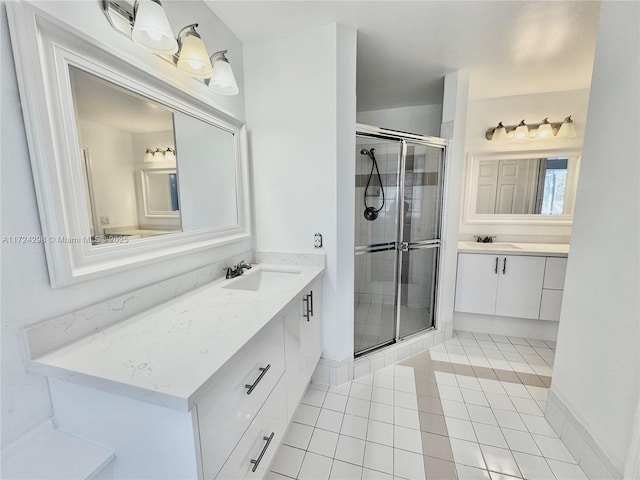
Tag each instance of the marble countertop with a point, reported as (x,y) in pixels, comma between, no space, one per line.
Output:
(512,248)
(166,354)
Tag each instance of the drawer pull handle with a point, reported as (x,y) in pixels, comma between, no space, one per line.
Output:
(504,266)
(306,313)
(310,296)
(496,269)
(263,371)
(257,461)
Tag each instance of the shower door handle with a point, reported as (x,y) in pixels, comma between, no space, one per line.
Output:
(403,246)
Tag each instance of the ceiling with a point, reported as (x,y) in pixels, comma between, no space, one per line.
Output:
(406,47)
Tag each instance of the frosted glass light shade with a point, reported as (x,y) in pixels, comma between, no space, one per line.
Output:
(545,130)
(158,156)
(169,156)
(522,131)
(148,156)
(193,58)
(152,30)
(223,81)
(500,133)
(567,129)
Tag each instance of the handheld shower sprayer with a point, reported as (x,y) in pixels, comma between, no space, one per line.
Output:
(371,213)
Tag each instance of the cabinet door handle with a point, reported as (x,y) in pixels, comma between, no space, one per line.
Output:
(496,269)
(306,312)
(310,302)
(257,461)
(504,266)
(263,371)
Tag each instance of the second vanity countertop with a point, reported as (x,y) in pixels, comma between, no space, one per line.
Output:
(513,248)
(166,354)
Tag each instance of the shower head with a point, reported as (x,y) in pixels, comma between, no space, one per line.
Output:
(368,153)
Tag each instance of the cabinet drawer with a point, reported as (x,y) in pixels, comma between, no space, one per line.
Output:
(554,273)
(550,305)
(272,419)
(225,409)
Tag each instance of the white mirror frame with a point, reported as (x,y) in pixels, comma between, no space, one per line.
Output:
(469,200)
(44,47)
(144,179)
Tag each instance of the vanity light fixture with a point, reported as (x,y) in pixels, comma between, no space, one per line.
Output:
(148,156)
(193,58)
(545,129)
(169,155)
(222,81)
(158,156)
(151,28)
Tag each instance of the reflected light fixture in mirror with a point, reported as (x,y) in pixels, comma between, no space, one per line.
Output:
(158,156)
(567,129)
(223,81)
(522,131)
(545,130)
(148,156)
(500,133)
(169,155)
(193,58)
(151,28)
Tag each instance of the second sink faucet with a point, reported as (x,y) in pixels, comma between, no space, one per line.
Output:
(238,270)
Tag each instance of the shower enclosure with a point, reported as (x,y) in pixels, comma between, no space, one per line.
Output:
(399,184)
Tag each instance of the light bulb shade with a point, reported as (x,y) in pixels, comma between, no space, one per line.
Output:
(567,129)
(169,155)
(545,130)
(499,133)
(152,30)
(148,156)
(193,58)
(223,81)
(522,131)
(158,156)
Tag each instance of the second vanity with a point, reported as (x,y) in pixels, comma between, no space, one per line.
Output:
(517,280)
(203,386)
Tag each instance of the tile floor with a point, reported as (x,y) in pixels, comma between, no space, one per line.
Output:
(470,408)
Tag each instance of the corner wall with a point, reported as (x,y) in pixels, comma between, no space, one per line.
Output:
(597,364)
(301,120)
(420,119)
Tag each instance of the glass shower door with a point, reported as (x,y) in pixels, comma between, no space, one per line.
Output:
(376,229)
(420,237)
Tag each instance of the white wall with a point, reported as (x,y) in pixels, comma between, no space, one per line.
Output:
(420,119)
(26,295)
(487,112)
(597,365)
(301,120)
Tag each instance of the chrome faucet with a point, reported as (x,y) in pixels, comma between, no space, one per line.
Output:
(238,270)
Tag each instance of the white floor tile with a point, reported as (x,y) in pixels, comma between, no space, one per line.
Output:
(314,397)
(288,461)
(444,378)
(403,371)
(539,425)
(500,402)
(315,467)
(365,379)
(527,405)
(381,412)
(350,450)
(460,359)
(521,367)
(276,476)
(490,435)
(538,393)
(500,476)
(382,395)
(481,414)
(516,390)
(345,471)
(378,457)
(471,473)
(406,417)
(454,409)
(408,465)
(383,381)
(467,453)
(404,384)
(307,414)
(491,386)
(341,389)
(474,397)
(449,392)
(361,391)
(544,370)
(500,460)
(508,419)
(566,470)
(479,362)
(553,448)
(368,474)
(405,400)
(470,383)
(298,435)
(323,442)
(533,467)
(520,441)
(380,432)
(439,356)
(358,407)
(407,439)
(336,402)
(462,429)
(354,426)
(329,420)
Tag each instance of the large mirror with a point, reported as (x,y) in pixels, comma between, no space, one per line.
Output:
(526,187)
(131,162)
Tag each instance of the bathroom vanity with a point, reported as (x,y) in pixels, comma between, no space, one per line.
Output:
(510,280)
(203,386)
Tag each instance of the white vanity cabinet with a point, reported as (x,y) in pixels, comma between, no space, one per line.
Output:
(504,285)
(521,286)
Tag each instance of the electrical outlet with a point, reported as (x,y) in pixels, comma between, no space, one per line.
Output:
(104,220)
(317,240)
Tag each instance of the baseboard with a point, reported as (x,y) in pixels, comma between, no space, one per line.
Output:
(516,327)
(592,459)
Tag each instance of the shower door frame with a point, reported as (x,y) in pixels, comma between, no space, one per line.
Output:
(400,247)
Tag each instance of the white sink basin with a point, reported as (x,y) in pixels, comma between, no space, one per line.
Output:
(262,279)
